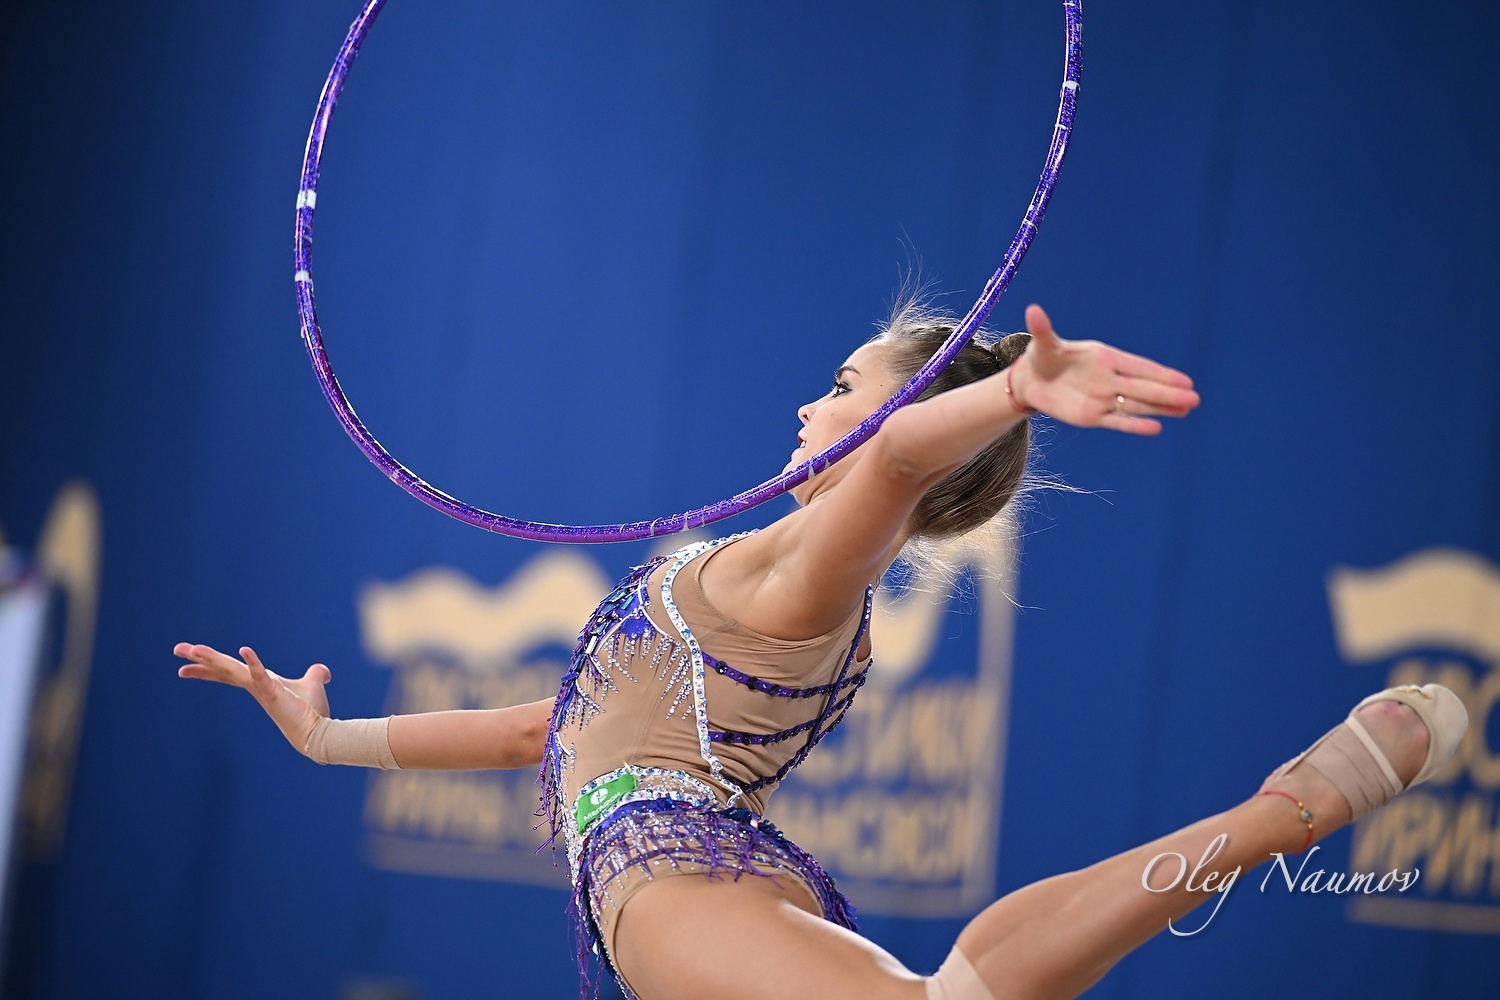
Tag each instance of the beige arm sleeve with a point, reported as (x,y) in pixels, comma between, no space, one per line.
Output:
(361,742)
(957,979)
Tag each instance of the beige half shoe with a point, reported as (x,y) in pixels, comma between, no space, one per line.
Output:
(1351,760)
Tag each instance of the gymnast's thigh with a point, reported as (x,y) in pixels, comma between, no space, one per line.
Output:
(691,937)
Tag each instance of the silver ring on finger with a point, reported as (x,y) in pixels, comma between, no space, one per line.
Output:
(1120,406)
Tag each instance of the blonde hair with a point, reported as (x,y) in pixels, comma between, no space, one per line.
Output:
(974,508)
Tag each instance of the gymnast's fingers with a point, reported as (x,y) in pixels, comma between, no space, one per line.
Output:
(1039,325)
(261,679)
(1135,408)
(210,661)
(1130,424)
(1135,366)
(1175,400)
(198,672)
(318,673)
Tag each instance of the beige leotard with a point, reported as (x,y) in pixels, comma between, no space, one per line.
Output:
(638,709)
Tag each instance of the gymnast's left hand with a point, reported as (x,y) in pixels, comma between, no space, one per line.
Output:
(294,704)
(1089,384)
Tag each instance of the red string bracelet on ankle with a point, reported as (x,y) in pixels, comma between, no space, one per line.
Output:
(1304,815)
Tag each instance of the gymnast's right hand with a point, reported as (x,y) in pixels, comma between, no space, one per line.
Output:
(294,705)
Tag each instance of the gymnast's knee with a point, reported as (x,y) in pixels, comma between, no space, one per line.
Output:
(957,979)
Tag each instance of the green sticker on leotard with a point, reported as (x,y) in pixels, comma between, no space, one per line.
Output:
(593,805)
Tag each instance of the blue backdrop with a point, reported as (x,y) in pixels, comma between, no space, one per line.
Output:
(582,262)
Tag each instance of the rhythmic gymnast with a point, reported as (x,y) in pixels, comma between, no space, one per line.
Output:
(708,674)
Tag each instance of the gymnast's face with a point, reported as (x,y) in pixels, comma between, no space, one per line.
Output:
(860,385)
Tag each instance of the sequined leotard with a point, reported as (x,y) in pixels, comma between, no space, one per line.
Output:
(671,729)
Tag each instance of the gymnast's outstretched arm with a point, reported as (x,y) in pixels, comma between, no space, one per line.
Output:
(469,740)
(808,572)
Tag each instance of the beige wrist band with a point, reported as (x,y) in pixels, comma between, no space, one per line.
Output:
(361,742)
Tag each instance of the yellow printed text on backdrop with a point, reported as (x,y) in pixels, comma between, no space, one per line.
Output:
(1433,616)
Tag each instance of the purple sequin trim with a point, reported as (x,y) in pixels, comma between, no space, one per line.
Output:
(725,842)
(768,739)
(767,687)
(573,705)
(833,713)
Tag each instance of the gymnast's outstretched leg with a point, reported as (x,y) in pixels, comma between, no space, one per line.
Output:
(682,938)
(1056,938)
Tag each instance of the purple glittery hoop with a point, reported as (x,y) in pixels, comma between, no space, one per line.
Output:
(312,336)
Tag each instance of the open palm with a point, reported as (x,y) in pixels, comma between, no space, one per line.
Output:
(1089,384)
(294,704)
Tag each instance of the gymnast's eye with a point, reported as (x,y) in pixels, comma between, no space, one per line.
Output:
(839,388)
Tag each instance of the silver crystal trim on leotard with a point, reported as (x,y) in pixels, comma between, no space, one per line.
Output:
(651,783)
(681,558)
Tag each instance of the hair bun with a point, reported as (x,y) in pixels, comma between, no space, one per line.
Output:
(1007,349)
